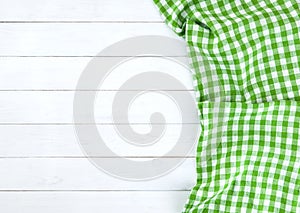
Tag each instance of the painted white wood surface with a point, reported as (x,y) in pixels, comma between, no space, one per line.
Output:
(57,107)
(62,73)
(93,202)
(72,39)
(81,174)
(61,141)
(45,45)
(79,10)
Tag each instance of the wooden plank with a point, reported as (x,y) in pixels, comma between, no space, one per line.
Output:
(73,39)
(57,107)
(62,73)
(61,140)
(81,174)
(78,10)
(47,157)
(93,202)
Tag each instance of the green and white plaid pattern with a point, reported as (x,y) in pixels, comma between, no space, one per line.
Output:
(248,158)
(250,48)
(245,58)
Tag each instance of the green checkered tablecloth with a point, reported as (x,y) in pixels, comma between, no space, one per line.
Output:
(248,158)
(245,58)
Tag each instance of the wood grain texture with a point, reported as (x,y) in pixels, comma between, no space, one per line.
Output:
(81,174)
(93,202)
(62,73)
(72,39)
(45,46)
(57,107)
(79,10)
(61,141)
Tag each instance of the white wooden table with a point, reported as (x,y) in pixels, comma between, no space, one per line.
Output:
(44,47)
